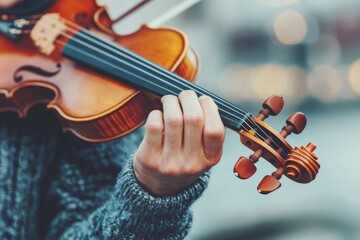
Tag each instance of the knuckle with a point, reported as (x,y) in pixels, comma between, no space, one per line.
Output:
(186,171)
(192,170)
(214,159)
(145,162)
(170,171)
(152,141)
(194,119)
(151,165)
(215,134)
(174,121)
(153,127)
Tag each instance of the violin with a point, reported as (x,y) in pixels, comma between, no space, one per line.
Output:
(101,85)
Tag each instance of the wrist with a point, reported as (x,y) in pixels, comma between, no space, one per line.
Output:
(161,185)
(129,190)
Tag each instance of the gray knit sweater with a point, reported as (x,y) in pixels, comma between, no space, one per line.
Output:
(55,186)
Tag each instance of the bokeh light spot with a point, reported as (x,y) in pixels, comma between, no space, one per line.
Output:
(354,76)
(270,79)
(290,27)
(325,83)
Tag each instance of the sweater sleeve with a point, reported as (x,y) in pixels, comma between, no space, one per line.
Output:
(96,196)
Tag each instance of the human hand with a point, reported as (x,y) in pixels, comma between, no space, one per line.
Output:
(180,143)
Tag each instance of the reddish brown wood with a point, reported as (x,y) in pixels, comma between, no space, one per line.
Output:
(114,124)
(103,21)
(255,143)
(299,165)
(90,105)
(97,108)
(244,168)
(272,106)
(297,121)
(268,184)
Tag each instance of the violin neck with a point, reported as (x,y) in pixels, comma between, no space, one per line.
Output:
(127,67)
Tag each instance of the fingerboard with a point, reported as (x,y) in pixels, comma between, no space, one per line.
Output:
(127,67)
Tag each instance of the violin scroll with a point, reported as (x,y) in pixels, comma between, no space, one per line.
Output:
(298,164)
(301,165)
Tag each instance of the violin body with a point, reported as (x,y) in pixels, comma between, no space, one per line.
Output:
(89,104)
(72,61)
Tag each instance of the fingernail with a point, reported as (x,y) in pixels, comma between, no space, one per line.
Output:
(203,97)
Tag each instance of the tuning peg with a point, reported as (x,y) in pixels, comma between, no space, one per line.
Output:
(268,185)
(244,168)
(295,123)
(271,182)
(272,106)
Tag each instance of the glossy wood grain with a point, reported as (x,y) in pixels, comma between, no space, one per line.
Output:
(91,105)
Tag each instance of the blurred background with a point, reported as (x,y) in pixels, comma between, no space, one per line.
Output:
(306,51)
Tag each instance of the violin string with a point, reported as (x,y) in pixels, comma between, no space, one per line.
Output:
(170,91)
(68,36)
(162,86)
(259,135)
(159,79)
(144,79)
(145,63)
(164,73)
(247,126)
(166,82)
(140,61)
(123,52)
(182,81)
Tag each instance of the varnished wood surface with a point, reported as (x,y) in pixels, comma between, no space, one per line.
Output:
(89,104)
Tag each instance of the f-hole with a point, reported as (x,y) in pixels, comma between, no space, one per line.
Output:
(35,70)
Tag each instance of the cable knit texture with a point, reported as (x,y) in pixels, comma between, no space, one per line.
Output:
(55,186)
